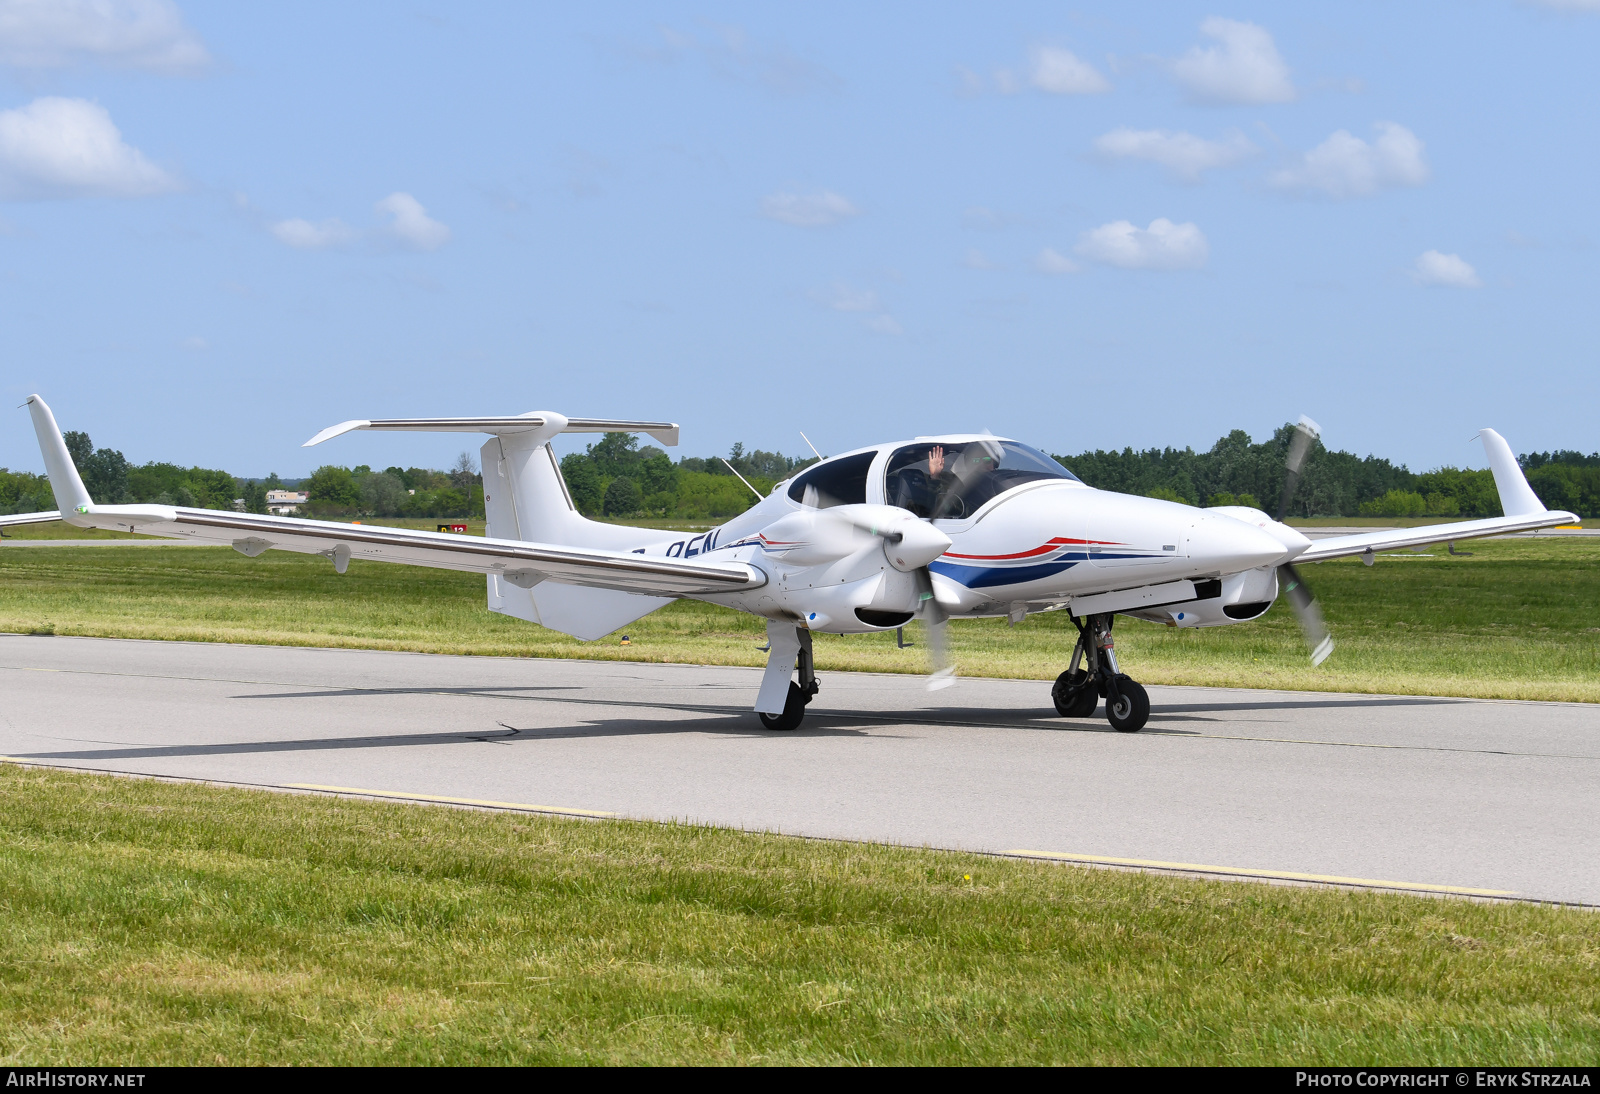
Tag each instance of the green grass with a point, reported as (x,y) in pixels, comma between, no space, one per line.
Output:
(150,923)
(1516,620)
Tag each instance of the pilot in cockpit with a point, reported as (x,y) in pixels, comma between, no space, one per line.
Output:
(933,483)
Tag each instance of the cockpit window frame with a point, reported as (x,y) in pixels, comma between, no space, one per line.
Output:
(935,499)
(865,461)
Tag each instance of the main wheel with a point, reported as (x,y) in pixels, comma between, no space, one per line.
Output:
(1068,705)
(1129,709)
(794,709)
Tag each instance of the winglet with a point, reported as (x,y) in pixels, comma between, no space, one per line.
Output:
(335,430)
(1517,498)
(65,482)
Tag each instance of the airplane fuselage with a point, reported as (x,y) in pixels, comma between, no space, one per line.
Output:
(1033,546)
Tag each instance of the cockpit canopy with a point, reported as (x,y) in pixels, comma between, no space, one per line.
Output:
(934,479)
(950,481)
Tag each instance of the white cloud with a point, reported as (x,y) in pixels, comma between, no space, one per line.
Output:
(1346,166)
(841,297)
(1060,72)
(307,236)
(411,224)
(1048,261)
(70,148)
(148,34)
(1162,246)
(970,83)
(1433,268)
(863,302)
(977,260)
(1245,68)
(1183,154)
(731,53)
(809,210)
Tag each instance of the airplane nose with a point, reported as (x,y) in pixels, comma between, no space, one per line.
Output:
(1230,545)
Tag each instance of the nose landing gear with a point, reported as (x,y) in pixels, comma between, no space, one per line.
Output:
(1077,691)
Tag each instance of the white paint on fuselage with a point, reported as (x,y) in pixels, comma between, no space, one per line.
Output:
(1040,544)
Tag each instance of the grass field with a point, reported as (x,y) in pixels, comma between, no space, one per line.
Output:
(150,923)
(1517,619)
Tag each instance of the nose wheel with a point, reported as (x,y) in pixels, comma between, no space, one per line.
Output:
(1077,691)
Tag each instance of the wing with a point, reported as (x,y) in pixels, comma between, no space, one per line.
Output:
(523,564)
(13,519)
(1524,512)
(1395,539)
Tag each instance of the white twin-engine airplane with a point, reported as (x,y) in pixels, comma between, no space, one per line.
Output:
(935,528)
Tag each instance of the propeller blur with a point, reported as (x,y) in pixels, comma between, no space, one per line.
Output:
(932,529)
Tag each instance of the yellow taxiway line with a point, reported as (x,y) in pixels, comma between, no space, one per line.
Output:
(1276,875)
(406,796)
(1056,856)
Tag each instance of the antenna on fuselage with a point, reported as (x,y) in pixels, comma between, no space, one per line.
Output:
(809,445)
(742,479)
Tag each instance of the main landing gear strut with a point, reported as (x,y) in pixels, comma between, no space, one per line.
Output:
(782,702)
(1078,690)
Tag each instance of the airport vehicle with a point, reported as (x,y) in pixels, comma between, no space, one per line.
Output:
(932,528)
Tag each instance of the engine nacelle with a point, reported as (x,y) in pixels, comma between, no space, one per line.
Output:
(849,568)
(880,601)
(1234,599)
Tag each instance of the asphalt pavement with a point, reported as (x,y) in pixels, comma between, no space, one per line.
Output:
(1473,797)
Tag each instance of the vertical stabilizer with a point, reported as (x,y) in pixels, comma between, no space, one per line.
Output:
(1517,498)
(544,510)
(525,498)
(64,479)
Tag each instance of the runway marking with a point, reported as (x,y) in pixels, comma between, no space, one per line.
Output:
(1282,875)
(400,795)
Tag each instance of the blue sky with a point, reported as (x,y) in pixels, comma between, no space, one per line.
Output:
(223,227)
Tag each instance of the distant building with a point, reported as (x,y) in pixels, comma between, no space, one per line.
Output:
(285,502)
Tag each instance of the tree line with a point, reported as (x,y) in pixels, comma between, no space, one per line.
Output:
(1237,470)
(344,492)
(616,477)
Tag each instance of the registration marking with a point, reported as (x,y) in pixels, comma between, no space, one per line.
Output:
(1280,875)
(401,795)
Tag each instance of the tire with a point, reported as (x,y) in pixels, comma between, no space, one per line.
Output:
(1130,708)
(1079,705)
(794,710)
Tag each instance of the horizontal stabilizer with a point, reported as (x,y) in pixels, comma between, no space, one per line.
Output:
(504,425)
